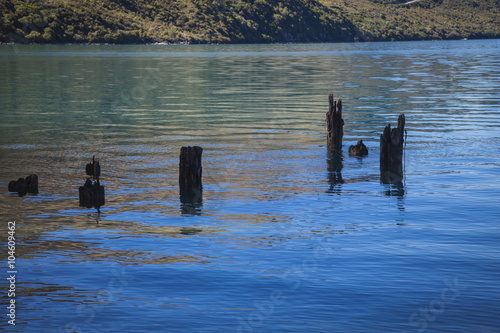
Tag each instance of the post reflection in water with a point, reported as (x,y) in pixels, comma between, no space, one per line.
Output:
(334,167)
(191,204)
(394,184)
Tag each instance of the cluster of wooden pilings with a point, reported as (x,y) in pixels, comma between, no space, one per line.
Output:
(91,194)
(391,142)
(24,185)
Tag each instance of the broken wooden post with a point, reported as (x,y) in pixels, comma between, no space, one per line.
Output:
(391,152)
(334,124)
(32,184)
(190,172)
(24,185)
(93,169)
(20,186)
(92,194)
(359,149)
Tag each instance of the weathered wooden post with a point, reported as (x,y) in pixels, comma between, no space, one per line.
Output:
(92,194)
(391,152)
(93,169)
(190,172)
(334,124)
(32,181)
(24,185)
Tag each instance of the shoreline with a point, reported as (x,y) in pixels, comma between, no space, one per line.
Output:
(250,43)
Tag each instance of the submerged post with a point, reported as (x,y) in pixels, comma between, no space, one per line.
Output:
(391,151)
(190,172)
(335,124)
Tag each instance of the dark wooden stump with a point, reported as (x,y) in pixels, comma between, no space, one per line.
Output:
(359,149)
(32,184)
(24,185)
(93,169)
(391,152)
(91,194)
(190,172)
(334,124)
(12,187)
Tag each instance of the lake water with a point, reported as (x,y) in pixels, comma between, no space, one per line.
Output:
(287,238)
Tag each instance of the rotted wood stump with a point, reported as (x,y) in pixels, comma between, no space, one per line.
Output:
(91,194)
(93,169)
(359,149)
(190,172)
(334,124)
(391,152)
(24,185)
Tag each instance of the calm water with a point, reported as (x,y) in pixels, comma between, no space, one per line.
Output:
(287,239)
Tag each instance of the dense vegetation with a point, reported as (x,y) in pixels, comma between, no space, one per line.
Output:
(244,21)
(424,19)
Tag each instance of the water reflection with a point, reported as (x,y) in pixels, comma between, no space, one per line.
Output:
(392,176)
(260,115)
(191,200)
(334,167)
(393,179)
(394,185)
(191,208)
(398,189)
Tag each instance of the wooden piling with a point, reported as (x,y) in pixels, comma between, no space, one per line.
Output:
(190,172)
(93,169)
(391,151)
(335,124)
(91,194)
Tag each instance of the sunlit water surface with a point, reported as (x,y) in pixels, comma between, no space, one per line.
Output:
(287,239)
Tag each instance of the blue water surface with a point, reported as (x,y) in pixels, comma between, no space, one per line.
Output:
(288,238)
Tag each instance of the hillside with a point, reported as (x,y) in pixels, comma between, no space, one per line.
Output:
(244,21)
(385,20)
